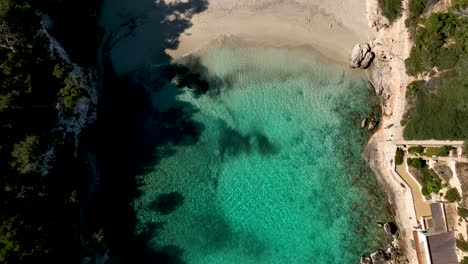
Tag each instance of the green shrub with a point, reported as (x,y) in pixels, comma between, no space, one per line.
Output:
(417,163)
(462,244)
(416,149)
(416,7)
(61,71)
(432,186)
(430,181)
(70,93)
(464,260)
(415,10)
(399,155)
(424,191)
(459,3)
(414,88)
(10,245)
(453,195)
(463,212)
(448,58)
(24,158)
(391,9)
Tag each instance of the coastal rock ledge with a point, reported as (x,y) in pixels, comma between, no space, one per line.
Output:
(393,255)
(362,56)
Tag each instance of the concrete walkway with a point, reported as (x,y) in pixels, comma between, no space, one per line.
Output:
(422,208)
(439,158)
(429,143)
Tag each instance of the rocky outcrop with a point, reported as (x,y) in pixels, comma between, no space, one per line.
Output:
(72,122)
(375,19)
(368,58)
(379,257)
(362,56)
(372,124)
(358,54)
(392,254)
(365,259)
(364,123)
(390,228)
(396,255)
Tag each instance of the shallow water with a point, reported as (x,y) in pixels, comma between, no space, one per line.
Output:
(277,174)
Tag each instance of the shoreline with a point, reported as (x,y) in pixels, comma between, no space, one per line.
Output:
(387,74)
(243,43)
(276,23)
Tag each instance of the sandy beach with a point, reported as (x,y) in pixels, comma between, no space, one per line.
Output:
(332,27)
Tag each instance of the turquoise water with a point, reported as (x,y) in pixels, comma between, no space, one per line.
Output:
(277,174)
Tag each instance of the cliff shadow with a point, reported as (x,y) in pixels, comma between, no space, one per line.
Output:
(141,31)
(133,133)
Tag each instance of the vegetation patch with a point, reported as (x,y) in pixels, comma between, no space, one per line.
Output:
(439,107)
(438,151)
(37,164)
(463,212)
(399,154)
(415,9)
(438,31)
(453,195)
(416,149)
(462,244)
(391,9)
(70,93)
(464,260)
(416,163)
(431,183)
(459,4)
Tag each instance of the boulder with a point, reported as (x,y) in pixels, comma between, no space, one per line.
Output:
(358,54)
(392,251)
(366,61)
(364,123)
(365,259)
(390,228)
(372,124)
(378,257)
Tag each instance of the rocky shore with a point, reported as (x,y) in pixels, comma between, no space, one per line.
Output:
(392,254)
(383,58)
(362,56)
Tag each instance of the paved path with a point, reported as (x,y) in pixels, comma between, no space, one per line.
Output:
(430,143)
(447,159)
(439,158)
(422,208)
